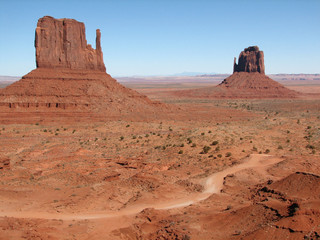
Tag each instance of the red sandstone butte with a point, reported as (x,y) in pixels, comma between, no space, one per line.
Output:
(247,81)
(71,75)
(250,60)
(61,43)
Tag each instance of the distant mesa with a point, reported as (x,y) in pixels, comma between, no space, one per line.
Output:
(247,81)
(71,75)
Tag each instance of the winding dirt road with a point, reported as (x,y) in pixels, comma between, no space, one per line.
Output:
(212,184)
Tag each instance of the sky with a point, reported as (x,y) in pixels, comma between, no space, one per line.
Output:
(164,37)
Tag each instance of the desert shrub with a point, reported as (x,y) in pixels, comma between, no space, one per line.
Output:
(121,138)
(186,237)
(309,146)
(308,137)
(217,149)
(182,145)
(127,126)
(254,149)
(134,137)
(193,145)
(214,143)
(228,154)
(209,132)
(288,140)
(206,149)
(219,155)
(309,127)
(293,208)
(147,135)
(202,134)
(280,147)
(180,152)
(267,151)
(229,207)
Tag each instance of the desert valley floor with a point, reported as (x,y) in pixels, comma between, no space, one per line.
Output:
(209,169)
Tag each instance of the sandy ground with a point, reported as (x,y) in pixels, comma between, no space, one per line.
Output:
(218,169)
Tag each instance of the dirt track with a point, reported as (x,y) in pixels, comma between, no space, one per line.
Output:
(212,184)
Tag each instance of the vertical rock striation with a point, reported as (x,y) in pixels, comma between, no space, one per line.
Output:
(250,60)
(61,43)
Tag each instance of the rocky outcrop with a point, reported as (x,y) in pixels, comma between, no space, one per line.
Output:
(250,60)
(61,43)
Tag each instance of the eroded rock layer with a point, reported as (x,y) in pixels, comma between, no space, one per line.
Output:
(253,85)
(50,89)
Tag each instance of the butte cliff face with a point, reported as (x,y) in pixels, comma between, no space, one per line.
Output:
(71,75)
(61,43)
(250,60)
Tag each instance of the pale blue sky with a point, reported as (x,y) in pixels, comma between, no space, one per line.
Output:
(172,36)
